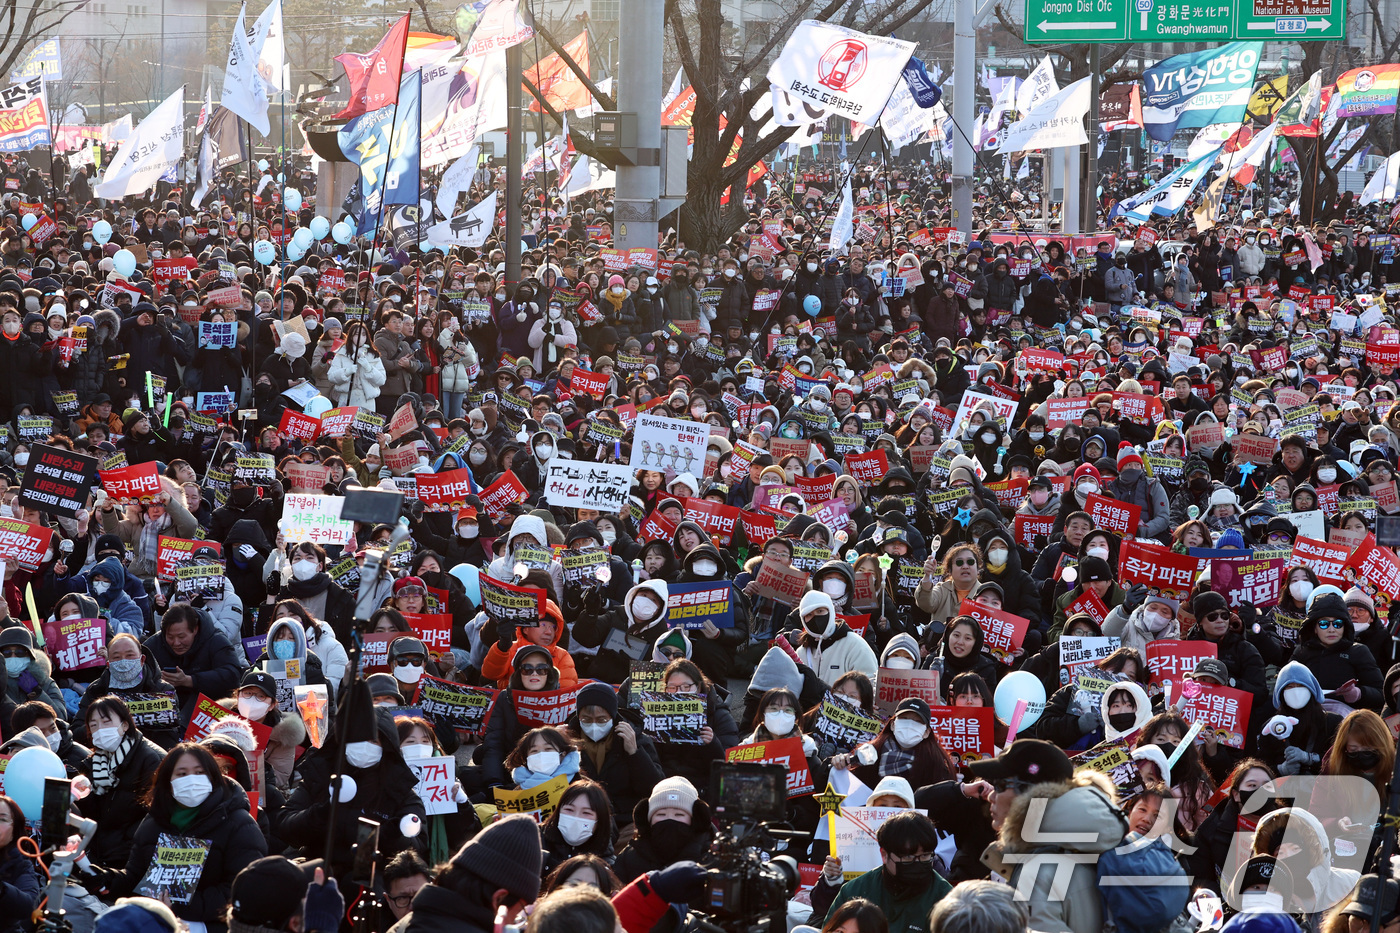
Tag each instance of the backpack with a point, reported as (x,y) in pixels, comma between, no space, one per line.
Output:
(1143,886)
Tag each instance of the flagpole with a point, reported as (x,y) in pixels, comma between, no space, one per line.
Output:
(403,54)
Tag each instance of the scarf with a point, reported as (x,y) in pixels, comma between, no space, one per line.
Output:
(105,763)
(526,779)
(150,537)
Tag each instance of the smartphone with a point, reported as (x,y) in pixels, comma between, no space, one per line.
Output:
(366,847)
(58,798)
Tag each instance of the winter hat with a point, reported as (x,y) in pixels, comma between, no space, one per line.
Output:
(1207,602)
(137,915)
(506,853)
(672,792)
(1230,538)
(267,893)
(896,786)
(1087,469)
(1093,569)
(1196,464)
(1224,496)
(130,417)
(1357,597)
(237,730)
(597,694)
(614,280)
(1128,457)
(107,545)
(293,346)
(383,685)
(1328,605)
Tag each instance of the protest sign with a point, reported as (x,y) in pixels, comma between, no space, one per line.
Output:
(582,566)
(538,801)
(1248,582)
(173,874)
(853,832)
(1324,559)
(57,480)
(1160,569)
(1223,711)
(785,752)
(965,732)
(1115,760)
(578,484)
(1088,602)
(434,629)
(691,605)
(73,643)
(1063,411)
(401,422)
(668,444)
(207,712)
(336,421)
(780,582)
(295,424)
(1003,633)
(218,335)
(33,427)
(716,518)
(23,544)
(139,483)
(1377,567)
(546,707)
(844,724)
(1027,528)
(868,468)
(199,579)
(315,518)
(436,777)
(153,710)
(307,477)
(1121,518)
(671,719)
(1251,448)
(464,706)
(258,469)
(446,491)
(173,552)
(510,605)
(1079,651)
(894,685)
(505,491)
(1169,660)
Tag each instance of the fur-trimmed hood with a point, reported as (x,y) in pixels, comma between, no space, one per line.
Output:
(108,321)
(1140,700)
(1083,811)
(288,731)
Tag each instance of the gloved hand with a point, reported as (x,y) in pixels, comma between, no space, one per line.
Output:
(323,906)
(679,883)
(505,636)
(1295,760)
(1088,721)
(247,551)
(274,583)
(1136,596)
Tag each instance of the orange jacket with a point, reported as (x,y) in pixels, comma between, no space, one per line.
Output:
(497,665)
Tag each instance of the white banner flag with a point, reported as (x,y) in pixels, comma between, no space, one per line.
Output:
(152,149)
(1382,185)
(475,104)
(1039,85)
(1056,121)
(904,121)
(245,92)
(456,179)
(847,72)
(844,227)
(498,26)
(468,229)
(1209,139)
(272,50)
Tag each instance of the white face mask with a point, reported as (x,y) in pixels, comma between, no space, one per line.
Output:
(543,762)
(55,740)
(1101,552)
(779,722)
(1156,621)
(252,708)
(468,531)
(811,267)
(645,608)
(834,587)
(100,586)
(363,754)
(576,830)
(408,673)
(1296,697)
(1326,474)
(22,458)
(417,750)
(304,569)
(1087,488)
(191,790)
(544,451)
(107,738)
(704,568)
(909,733)
(997,557)
(597,731)
(609,536)
(1300,590)
(900,664)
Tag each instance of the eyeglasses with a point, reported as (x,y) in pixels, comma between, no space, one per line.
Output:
(1002,785)
(535,669)
(1279,539)
(401,901)
(965,563)
(1332,623)
(914,859)
(1217,615)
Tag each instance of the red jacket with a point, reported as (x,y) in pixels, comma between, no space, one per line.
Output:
(639,907)
(497,664)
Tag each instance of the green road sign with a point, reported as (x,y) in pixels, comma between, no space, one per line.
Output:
(1082,21)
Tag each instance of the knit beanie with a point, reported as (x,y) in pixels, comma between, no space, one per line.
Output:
(506,853)
(599,695)
(672,792)
(1128,457)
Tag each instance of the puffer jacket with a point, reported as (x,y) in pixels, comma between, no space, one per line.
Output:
(119,811)
(1084,809)
(832,655)
(457,371)
(356,378)
(1334,665)
(87,374)
(19,890)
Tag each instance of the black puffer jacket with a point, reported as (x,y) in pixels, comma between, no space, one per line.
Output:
(212,664)
(1334,665)
(1242,660)
(119,812)
(162,736)
(87,373)
(647,852)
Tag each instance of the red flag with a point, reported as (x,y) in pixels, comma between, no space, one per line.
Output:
(556,81)
(374,78)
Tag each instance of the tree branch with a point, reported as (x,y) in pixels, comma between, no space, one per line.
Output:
(582,143)
(605,99)
(427,17)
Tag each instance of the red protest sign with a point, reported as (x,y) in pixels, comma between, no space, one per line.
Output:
(403,421)
(1160,568)
(965,732)
(296,424)
(758,528)
(1252,448)
(1383,356)
(785,752)
(1171,659)
(1248,582)
(868,468)
(894,685)
(444,492)
(1026,527)
(434,628)
(331,280)
(73,643)
(1089,602)
(594,385)
(132,483)
(172,552)
(336,422)
(1270,360)
(1326,560)
(657,527)
(1221,710)
(1110,514)
(1378,566)
(1003,633)
(816,489)
(780,582)
(717,519)
(1139,409)
(1009,492)
(1038,360)
(508,490)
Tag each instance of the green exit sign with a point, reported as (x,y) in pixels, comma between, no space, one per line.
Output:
(1082,21)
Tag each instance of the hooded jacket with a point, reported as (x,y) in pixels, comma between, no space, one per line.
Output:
(714,654)
(649,851)
(1344,660)
(1131,628)
(1142,713)
(619,635)
(121,612)
(502,568)
(497,664)
(1082,811)
(1329,885)
(1020,595)
(835,649)
(40,668)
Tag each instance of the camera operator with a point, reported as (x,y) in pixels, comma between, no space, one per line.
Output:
(905,886)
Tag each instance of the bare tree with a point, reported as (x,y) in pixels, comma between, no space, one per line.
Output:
(21,25)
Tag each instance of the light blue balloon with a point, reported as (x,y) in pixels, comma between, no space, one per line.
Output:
(124,261)
(262,165)
(25,784)
(264,252)
(471,580)
(812,305)
(303,239)
(293,200)
(1016,686)
(294,252)
(28,221)
(342,232)
(320,226)
(102,232)
(281,179)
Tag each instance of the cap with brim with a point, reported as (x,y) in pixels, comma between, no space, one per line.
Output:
(1366,896)
(1030,761)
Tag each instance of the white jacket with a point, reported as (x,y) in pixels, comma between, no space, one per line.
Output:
(832,658)
(564,336)
(1250,258)
(457,376)
(356,381)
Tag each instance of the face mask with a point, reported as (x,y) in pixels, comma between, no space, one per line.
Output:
(704,568)
(811,267)
(609,536)
(410,752)
(125,669)
(543,762)
(1156,621)
(16,666)
(191,790)
(1122,721)
(1300,590)
(834,587)
(1296,697)
(363,754)
(1327,474)
(304,569)
(989,437)
(1086,488)
(779,722)
(108,738)
(909,733)
(1037,435)
(468,531)
(997,557)
(900,664)
(729,273)
(576,830)
(820,624)
(1100,552)
(544,451)
(254,709)
(408,673)
(597,731)
(645,608)
(1365,759)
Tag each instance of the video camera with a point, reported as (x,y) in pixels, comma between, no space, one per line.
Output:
(745,890)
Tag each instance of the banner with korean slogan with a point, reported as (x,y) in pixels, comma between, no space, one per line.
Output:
(547,707)
(538,801)
(23,544)
(465,707)
(436,780)
(844,724)
(892,686)
(137,483)
(785,752)
(1080,651)
(1121,518)
(173,875)
(578,484)
(1170,660)
(1003,633)
(840,70)
(1257,583)
(446,491)
(315,518)
(73,643)
(671,719)
(1222,710)
(691,605)
(966,732)
(1160,569)
(853,831)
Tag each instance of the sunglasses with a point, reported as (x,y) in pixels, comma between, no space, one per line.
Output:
(1217,615)
(535,669)
(672,653)
(965,563)
(1331,623)
(1002,785)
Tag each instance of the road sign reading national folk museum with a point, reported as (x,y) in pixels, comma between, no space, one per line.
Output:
(1070,21)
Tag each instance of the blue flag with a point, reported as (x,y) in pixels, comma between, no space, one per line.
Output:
(1199,88)
(925,92)
(384,143)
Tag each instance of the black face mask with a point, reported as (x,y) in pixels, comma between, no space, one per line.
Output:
(910,877)
(1122,721)
(242,497)
(672,829)
(1366,759)
(1199,483)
